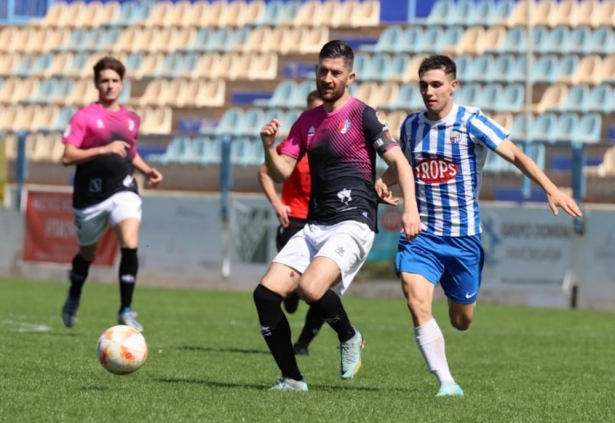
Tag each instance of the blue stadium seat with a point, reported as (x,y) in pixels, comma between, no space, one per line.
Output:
(409,41)
(406,98)
(578,95)
(431,39)
(44,93)
(236,38)
(129,12)
(515,41)
(567,126)
(379,68)
(175,150)
(544,128)
(600,99)
(464,11)
(200,41)
(540,39)
(441,13)
(537,152)
(451,38)
(193,151)
(24,68)
(483,13)
(300,95)
(291,9)
(231,119)
(256,154)
(568,65)
(79,61)
(580,40)
(253,119)
(124,95)
(468,94)
(512,99)
(388,41)
(519,72)
(283,92)
(545,69)
(170,65)
(399,64)
(503,9)
(91,40)
(212,150)
(361,64)
(218,40)
(589,129)
(518,127)
(503,68)
(274,11)
(65,114)
(240,151)
(481,69)
(601,41)
(558,41)
(273,114)
(42,62)
(464,65)
(290,117)
(490,97)
(134,62)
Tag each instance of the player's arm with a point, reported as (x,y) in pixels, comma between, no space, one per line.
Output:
(154,177)
(268,187)
(377,132)
(513,154)
(74,155)
(280,166)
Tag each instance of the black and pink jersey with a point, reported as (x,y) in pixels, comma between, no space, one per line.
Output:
(341,148)
(100,178)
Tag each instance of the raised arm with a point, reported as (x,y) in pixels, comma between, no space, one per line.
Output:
(279,166)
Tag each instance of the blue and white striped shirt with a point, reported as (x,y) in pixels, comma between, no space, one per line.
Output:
(447,157)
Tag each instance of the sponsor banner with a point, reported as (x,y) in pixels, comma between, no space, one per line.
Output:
(50,233)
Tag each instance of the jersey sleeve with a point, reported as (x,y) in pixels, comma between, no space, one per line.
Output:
(137,128)
(377,131)
(486,131)
(293,145)
(75,131)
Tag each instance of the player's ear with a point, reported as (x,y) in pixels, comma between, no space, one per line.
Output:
(351,77)
(454,84)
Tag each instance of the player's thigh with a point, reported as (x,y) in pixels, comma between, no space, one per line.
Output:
(463,260)
(90,223)
(288,265)
(125,218)
(419,256)
(342,250)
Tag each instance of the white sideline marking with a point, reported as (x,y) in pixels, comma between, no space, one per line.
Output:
(23,327)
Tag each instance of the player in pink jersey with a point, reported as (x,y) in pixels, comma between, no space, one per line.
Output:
(341,139)
(101,141)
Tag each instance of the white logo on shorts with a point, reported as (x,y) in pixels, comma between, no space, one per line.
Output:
(340,250)
(468,295)
(96,185)
(344,196)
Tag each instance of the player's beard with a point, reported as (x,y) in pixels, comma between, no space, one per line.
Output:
(331,96)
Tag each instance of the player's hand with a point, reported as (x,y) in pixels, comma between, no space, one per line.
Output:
(117,147)
(411,223)
(560,200)
(282,211)
(384,194)
(269,132)
(154,177)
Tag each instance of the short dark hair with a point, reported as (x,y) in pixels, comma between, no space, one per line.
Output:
(337,49)
(439,61)
(109,63)
(313,95)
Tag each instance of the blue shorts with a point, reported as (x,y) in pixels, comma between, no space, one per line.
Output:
(455,262)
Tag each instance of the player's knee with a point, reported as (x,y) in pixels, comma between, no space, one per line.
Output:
(310,291)
(88,253)
(461,322)
(419,307)
(264,297)
(131,244)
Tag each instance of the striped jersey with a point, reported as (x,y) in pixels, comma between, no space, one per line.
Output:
(447,157)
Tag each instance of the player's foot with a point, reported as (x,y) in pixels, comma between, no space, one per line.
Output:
(351,355)
(69,311)
(291,303)
(129,318)
(288,384)
(450,389)
(300,350)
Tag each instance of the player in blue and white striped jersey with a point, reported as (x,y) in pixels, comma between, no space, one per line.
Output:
(447,146)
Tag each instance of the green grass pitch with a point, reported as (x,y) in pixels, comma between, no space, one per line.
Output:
(207,362)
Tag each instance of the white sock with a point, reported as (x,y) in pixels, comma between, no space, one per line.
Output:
(430,341)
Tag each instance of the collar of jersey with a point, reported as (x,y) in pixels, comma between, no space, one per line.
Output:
(446,119)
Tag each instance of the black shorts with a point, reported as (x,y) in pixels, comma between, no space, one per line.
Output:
(285,234)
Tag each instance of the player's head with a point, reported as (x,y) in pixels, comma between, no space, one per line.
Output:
(313,99)
(437,82)
(108,78)
(334,70)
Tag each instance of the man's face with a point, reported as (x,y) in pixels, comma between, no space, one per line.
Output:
(332,78)
(109,85)
(437,89)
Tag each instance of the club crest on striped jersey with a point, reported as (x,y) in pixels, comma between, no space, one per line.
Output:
(436,171)
(455,137)
(344,126)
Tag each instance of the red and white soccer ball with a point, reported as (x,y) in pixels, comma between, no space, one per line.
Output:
(121,349)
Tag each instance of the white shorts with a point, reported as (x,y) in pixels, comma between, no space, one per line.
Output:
(346,243)
(92,221)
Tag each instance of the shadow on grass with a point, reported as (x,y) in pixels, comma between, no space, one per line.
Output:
(222,350)
(313,387)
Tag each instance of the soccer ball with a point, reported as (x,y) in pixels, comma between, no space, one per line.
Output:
(121,349)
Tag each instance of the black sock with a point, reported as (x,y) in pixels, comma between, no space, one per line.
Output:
(78,275)
(276,331)
(129,266)
(332,311)
(313,323)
